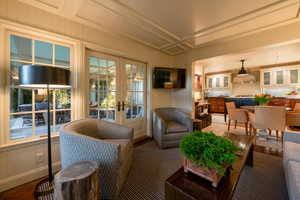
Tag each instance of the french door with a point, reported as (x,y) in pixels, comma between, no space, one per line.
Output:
(117,91)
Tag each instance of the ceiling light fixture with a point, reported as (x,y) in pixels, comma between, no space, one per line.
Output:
(243,76)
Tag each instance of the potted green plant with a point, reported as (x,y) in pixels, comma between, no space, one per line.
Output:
(208,155)
(262,99)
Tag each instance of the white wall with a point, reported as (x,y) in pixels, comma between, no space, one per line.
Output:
(18,163)
(265,39)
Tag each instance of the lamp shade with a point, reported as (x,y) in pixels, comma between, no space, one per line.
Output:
(40,76)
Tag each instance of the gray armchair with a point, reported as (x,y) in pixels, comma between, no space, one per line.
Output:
(109,144)
(169,126)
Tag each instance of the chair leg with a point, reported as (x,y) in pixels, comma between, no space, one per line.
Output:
(255,132)
(277,135)
(246,128)
(270,132)
(235,123)
(229,124)
(282,134)
(250,127)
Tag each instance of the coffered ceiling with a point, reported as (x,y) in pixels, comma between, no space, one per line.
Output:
(175,26)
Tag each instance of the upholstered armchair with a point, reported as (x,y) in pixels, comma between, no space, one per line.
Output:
(169,126)
(237,115)
(109,144)
(269,118)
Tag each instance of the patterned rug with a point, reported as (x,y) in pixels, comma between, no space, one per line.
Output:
(152,166)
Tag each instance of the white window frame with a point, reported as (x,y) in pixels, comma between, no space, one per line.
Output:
(7,28)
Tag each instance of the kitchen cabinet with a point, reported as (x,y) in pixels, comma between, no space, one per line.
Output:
(218,81)
(280,77)
(217,104)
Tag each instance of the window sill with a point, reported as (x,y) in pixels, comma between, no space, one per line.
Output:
(27,143)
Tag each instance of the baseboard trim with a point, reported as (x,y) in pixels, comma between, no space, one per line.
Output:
(20,179)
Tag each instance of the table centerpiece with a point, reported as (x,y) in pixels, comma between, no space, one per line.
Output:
(262,99)
(208,155)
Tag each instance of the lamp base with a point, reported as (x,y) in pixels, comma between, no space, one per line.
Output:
(44,190)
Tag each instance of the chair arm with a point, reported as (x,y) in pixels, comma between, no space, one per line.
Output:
(185,119)
(291,137)
(158,126)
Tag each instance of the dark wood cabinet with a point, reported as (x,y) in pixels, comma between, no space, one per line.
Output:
(282,101)
(217,104)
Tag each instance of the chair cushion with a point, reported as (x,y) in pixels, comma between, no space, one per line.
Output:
(174,127)
(293,173)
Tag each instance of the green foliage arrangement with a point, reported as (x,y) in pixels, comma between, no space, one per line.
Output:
(209,151)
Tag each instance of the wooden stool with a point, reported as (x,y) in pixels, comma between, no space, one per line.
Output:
(78,181)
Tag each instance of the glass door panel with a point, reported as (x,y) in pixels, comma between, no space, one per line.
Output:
(102,85)
(135,91)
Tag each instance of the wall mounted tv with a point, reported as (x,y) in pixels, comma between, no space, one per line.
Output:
(168,77)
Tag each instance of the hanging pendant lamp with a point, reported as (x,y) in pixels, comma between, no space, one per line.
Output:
(243,76)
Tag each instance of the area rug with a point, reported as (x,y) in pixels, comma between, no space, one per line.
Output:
(152,166)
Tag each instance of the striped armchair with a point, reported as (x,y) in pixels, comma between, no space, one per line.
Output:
(109,144)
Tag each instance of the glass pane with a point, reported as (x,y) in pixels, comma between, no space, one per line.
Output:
(93,98)
(63,98)
(102,114)
(217,82)
(103,100)
(225,81)
(41,120)
(41,99)
(14,72)
(62,55)
(279,77)
(102,66)
(128,112)
(137,85)
(43,52)
(93,64)
(20,48)
(294,76)
(20,100)
(210,83)
(109,100)
(111,75)
(140,73)
(267,76)
(137,111)
(93,114)
(61,118)
(20,126)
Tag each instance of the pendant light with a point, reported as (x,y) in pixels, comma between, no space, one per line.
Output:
(243,76)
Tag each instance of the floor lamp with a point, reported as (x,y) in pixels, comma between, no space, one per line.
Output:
(45,77)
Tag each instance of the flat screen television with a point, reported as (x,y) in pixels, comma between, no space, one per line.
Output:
(168,77)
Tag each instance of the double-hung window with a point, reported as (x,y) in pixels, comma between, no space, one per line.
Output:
(28,107)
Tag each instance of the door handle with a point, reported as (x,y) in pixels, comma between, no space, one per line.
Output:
(123,105)
(119,106)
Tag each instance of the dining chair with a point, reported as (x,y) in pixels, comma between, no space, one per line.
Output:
(269,118)
(237,115)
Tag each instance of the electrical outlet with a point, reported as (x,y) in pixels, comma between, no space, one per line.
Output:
(39,158)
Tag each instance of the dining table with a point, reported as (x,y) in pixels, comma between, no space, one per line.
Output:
(252,108)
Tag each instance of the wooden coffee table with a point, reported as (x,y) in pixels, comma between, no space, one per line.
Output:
(182,186)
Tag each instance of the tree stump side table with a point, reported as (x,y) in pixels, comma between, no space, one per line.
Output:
(78,181)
